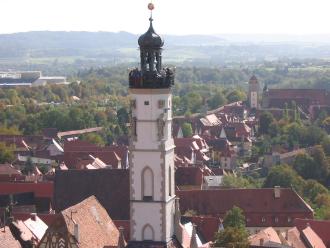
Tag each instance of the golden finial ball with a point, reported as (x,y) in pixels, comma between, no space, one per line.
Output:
(151,6)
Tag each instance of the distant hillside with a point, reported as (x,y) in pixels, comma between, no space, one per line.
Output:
(45,50)
(49,44)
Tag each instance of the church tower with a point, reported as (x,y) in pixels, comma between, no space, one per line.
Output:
(253,96)
(152,188)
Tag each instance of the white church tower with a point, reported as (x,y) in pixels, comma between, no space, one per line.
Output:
(152,187)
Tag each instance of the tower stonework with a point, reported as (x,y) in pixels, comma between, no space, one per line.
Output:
(253,95)
(152,187)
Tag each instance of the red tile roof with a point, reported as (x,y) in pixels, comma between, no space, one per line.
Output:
(40,189)
(111,187)
(216,203)
(189,176)
(8,173)
(7,239)
(312,238)
(320,227)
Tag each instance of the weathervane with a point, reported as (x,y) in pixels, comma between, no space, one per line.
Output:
(151,7)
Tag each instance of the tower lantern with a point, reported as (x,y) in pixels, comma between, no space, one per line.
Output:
(151,75)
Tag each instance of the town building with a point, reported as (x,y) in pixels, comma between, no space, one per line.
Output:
(84,225)
(28,79)
(253,94)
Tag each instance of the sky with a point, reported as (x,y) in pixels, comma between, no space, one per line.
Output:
(178,17)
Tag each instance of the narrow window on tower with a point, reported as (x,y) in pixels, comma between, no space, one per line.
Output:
(133,126)
(147,184)
(169,181)
(161,104)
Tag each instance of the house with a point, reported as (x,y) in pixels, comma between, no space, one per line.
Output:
(7,239)
(86,224)
(276,207)
(110,187)
(304,98)
(223,152)
(196,177)
(269,237)
(40,194)
(9,173)
(320,227)
(30,231)
(194,149)
(77,154)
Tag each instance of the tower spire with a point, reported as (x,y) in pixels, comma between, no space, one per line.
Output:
(151,75)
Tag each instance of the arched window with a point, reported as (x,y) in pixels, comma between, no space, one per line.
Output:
(147,184)
(147,232)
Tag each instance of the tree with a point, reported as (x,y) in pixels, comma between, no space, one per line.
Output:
(186,130)
(232,237)
(313,189)
(94,138)
(306,167)
(217,100)
(326,124)
(265,119)
(323,166)
(236,182)
(9,130)
(234,218)
(6,153)
(284,176)
(326,145)
(234,234)
(236,95)
(28,166)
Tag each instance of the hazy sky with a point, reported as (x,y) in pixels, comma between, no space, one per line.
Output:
(171,16)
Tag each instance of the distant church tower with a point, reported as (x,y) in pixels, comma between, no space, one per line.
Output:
(253,96)
(152,187)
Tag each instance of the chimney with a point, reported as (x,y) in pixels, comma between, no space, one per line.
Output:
(177,221)
(261,242)
(193,241)
(33,216)
(287,234)
(277,192)
(76,231)
(121,240)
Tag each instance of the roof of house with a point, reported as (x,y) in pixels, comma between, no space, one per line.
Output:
(8,169)
(212,203)
(40,189)
(266,235)
(79,132)
(95,225)
(189,176)
(77,150)
(320,227)
(110,187)
(7,239)
(31,229)
(312,238)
